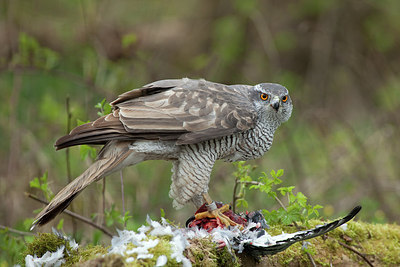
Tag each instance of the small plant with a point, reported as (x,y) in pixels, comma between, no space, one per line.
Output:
(42,184)
(104,107)
(297,209)
(114,216)
(32,54)
(12,247)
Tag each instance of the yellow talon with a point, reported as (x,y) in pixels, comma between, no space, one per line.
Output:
(218,214)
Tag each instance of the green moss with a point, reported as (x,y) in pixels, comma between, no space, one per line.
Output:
(44,242)
(225,258)
(111,260)
(379,242)
(204,252)
(86,253)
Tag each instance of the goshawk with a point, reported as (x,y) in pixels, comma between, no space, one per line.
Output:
(191,123)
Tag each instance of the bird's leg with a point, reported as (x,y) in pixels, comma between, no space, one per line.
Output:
(214,212)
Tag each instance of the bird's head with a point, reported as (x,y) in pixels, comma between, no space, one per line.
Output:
(272,101)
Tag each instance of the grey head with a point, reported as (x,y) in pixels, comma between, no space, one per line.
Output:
(272,102)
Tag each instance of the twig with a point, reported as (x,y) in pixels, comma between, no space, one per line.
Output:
(69,115)
(12,230)
(15,138)
(122,194)
(234,197)
(357,252)
(75,215)
(311,259)
(258,183)
(252,183)
(67,159)
(103,194)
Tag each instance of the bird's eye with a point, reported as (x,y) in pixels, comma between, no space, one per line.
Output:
(284,98)
(264,96)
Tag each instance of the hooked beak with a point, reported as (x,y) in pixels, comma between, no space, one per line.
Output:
(275,103)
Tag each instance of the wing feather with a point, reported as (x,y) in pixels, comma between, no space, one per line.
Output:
(187,111)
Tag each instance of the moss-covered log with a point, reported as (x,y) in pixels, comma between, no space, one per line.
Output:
(360,244)
(355,244)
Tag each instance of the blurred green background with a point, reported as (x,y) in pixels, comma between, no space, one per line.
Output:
(339,59)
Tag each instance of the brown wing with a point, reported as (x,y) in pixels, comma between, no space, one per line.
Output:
(186,111)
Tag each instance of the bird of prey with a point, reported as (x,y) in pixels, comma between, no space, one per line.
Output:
(192,123)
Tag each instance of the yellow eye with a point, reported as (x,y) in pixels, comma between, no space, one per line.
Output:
(284,98)
(264,96)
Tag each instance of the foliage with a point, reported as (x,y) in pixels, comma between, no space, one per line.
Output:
(113,217)
(31,53)
(296,210)
(104,106)
(11,247)
(41,183)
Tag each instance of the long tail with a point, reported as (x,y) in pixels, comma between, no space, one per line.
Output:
(110,159)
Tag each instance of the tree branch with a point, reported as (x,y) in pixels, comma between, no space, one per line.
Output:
(14,231)
(74,215)
(357,252)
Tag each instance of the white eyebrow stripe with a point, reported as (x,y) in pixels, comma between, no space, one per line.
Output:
(258,88)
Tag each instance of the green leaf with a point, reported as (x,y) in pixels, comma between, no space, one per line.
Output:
(60,224)
(93,216)
(126,217)
(28,223)
(129,39)
(86,151)
(242,202)
(105,108)
(285,190)
(317,207)
(41,184)
(162,213)
(272,194)
(96,237)
(36,211)
(79,122)
(100,104)
(34,183)
(301,199)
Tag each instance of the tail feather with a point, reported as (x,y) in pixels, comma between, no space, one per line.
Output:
(108,163)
